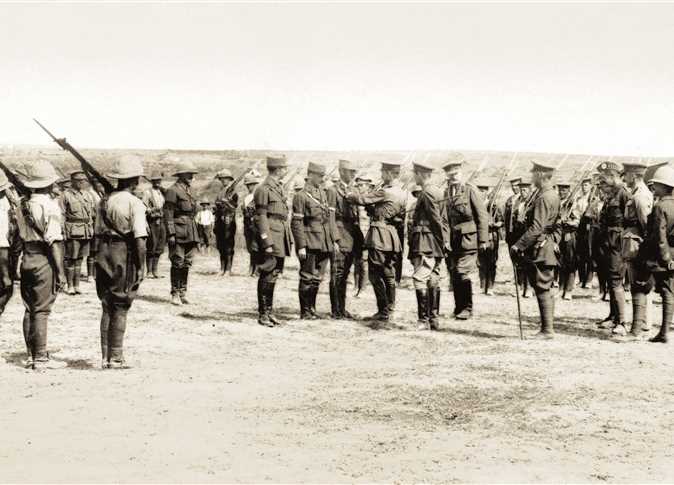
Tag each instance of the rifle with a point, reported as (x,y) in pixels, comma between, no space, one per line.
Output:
(90,171)
(15,181)
(478,169)
(229,192)
(567,207)
(491,199)
(289,180)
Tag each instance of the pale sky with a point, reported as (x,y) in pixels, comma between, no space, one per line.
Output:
(579,78)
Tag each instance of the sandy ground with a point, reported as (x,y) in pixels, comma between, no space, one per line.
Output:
(212,396)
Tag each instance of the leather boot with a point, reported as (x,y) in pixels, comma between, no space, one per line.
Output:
(667,312)
(422,309)
(467,304)
(379,287)
(335,310)
(184,273)
(69,270)
(313,294)
(638,313)
(105,328)
(116,338)
(458,296)
(90,269)
(569,284)
(342,301)
(263,306)
(391,296)
(230,261)
(303,294)
(270,287)
(619,306)
(175,287)
(434,313)
(546,309)
(76,277)
(155,265)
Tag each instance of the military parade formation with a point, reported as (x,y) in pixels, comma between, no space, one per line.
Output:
(611,222)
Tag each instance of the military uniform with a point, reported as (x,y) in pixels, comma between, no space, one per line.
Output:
(509,212)
(487,260)
(537,249)
(313,228)
(249,229)
(274,238)
(179,210)
(6,283)
(225,223)
(569,219)
(153,198)
(350,238)
(586,204)
(518,227)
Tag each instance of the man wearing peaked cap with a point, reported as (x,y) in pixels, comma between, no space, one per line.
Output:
(508,208)
(534,251)
(6,283)
(583,235)
(180,207)
(277,161)
(121,232)
(568,222)
(251,181)
(153,198)
(226,203)
(487,260)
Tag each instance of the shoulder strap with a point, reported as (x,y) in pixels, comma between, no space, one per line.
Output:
(30,220)
(106,219)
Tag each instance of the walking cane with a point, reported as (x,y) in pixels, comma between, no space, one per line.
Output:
(517,292)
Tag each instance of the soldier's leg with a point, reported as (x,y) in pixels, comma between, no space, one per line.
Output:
(465,268)
(423,268)
(337,261)
(482,270)
(455,283)
(665,285)
(434,295)
(71,249)
(189,251)
(305,286)
(270,287)
(265,278)
(541,279)
(616,276)
(105,328)
(82,255)
(177,257)
(389,272)
(116,333)
(375,262)
(27,323)
(320,268)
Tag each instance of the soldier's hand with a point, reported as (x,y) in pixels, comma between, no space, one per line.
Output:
(172,240)
(482,247)
(302,253)
(670,265)
(61,282)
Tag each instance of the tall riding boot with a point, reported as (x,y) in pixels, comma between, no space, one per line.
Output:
(341,289)
(335,310)
(69,270)
(667,312)
(457,289)
(116,337)
(223,265)
(76,276)
(434,313)
(90,268)
(269,299)
(467,296)
(303,294)
(422,309)
(263,305)
(313,296)
(230,262)
(390,295)
(38,332)
(175,286)
(380,295)
(546,309)
(638,313)
(184,274)
(105,329)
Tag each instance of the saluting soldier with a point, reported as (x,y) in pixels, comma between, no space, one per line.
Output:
(6,283)
(121,229)
(488,260)
(428,242)
(316,237)
(225,221)
(468,221)
(274,237)
(569,219)
(153,198)
(536,248)
(78,209)
(349,236)
(42,270)
(611,220)
(183,238)
(251,181)
(385,203)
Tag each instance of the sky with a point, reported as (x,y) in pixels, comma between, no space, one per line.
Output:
(566,78)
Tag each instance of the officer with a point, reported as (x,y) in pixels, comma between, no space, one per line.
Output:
(519,226)
(95,199)
(638,209)
(584,234)
(183,239)
(153,198)
(121,230)
(509,210)
(251,181)
(487,261)
(79,214)
(569,219)
(225,221)
(535,249)
(42,270)
(274,238)
(316,237)
(6,283)
(611,222)
(468,221)
(384,204)
(428,241)
(349,236)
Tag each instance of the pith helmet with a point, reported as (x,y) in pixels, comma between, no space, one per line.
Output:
(224,174)
(128,166)
(251,178)
(78,175)
(415,190)
(454,160)
(156,175)
(663,175)
(4,183)
(185,168)
(39,175)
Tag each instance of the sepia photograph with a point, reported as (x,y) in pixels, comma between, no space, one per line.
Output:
(336,242)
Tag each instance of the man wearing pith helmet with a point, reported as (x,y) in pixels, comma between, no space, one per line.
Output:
(121,230)
(183,238)
(225,221)
(468,221)
(535,249)
(251,181)
(153,198)
(569,219)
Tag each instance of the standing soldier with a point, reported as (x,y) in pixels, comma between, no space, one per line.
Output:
(612,224)
(399,223)
(509,210)
(121,229)
(274,238)
(251,181)
(204,221)
(385,203)
(469,234)
(225,221)
(179,210)
(315,235)
(569,218)
(349,236)
(153,198)
(583,235)
(78,210)
(638,209)
(535,249)
(488,260)
(518,227)
(95,197)
(6,275)
(428,241)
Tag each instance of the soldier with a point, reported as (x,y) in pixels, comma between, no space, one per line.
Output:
(273,230)
(535,249)
(315,235)
(569,218)
(349,236)
(225,221)
(121,230)
(637,210)
(79,229)
(518,227)
(95,199)
(153,198)
(385,203)
(584,234)
(204,221)
(428,241)
(611,221)
(509,210)
(488,260)
(6,274)
(42,270)
(251,181)
(179,210)
(469,234)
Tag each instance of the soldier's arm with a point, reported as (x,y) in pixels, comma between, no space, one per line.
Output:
(434,214)
(660,225)
(643,205)
(261,197)
(366,198)
(297,222)
(481,216)
(535,230)
(331,197)
(171,199)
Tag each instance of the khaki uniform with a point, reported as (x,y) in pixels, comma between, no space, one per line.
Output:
(588,218)
(179,210)
(250,232)
(225,227)
(79,214)
(487,261)
(156,237)
(568,227)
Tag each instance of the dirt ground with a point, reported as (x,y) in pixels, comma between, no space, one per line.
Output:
(214,397)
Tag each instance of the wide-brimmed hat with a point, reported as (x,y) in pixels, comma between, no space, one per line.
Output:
(251,178)
(78,175)
(185,168)
(156,175)
(225,173)
(38,175)
(663,175)
(127,167)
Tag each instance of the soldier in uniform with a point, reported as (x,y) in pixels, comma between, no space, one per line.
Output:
(315,235)
(583,244)
(536,248)
(569,218)
(428,242)
(95,199)
(179,210)
(488,260)
(611,222)
(385,203)
(349,237)
(518,227)
(469,234)
(42,270)
(6,283)
(225,221)
(251,181)
(274,237)
(153,198)
(509,210)
(121,229)
(79,215)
